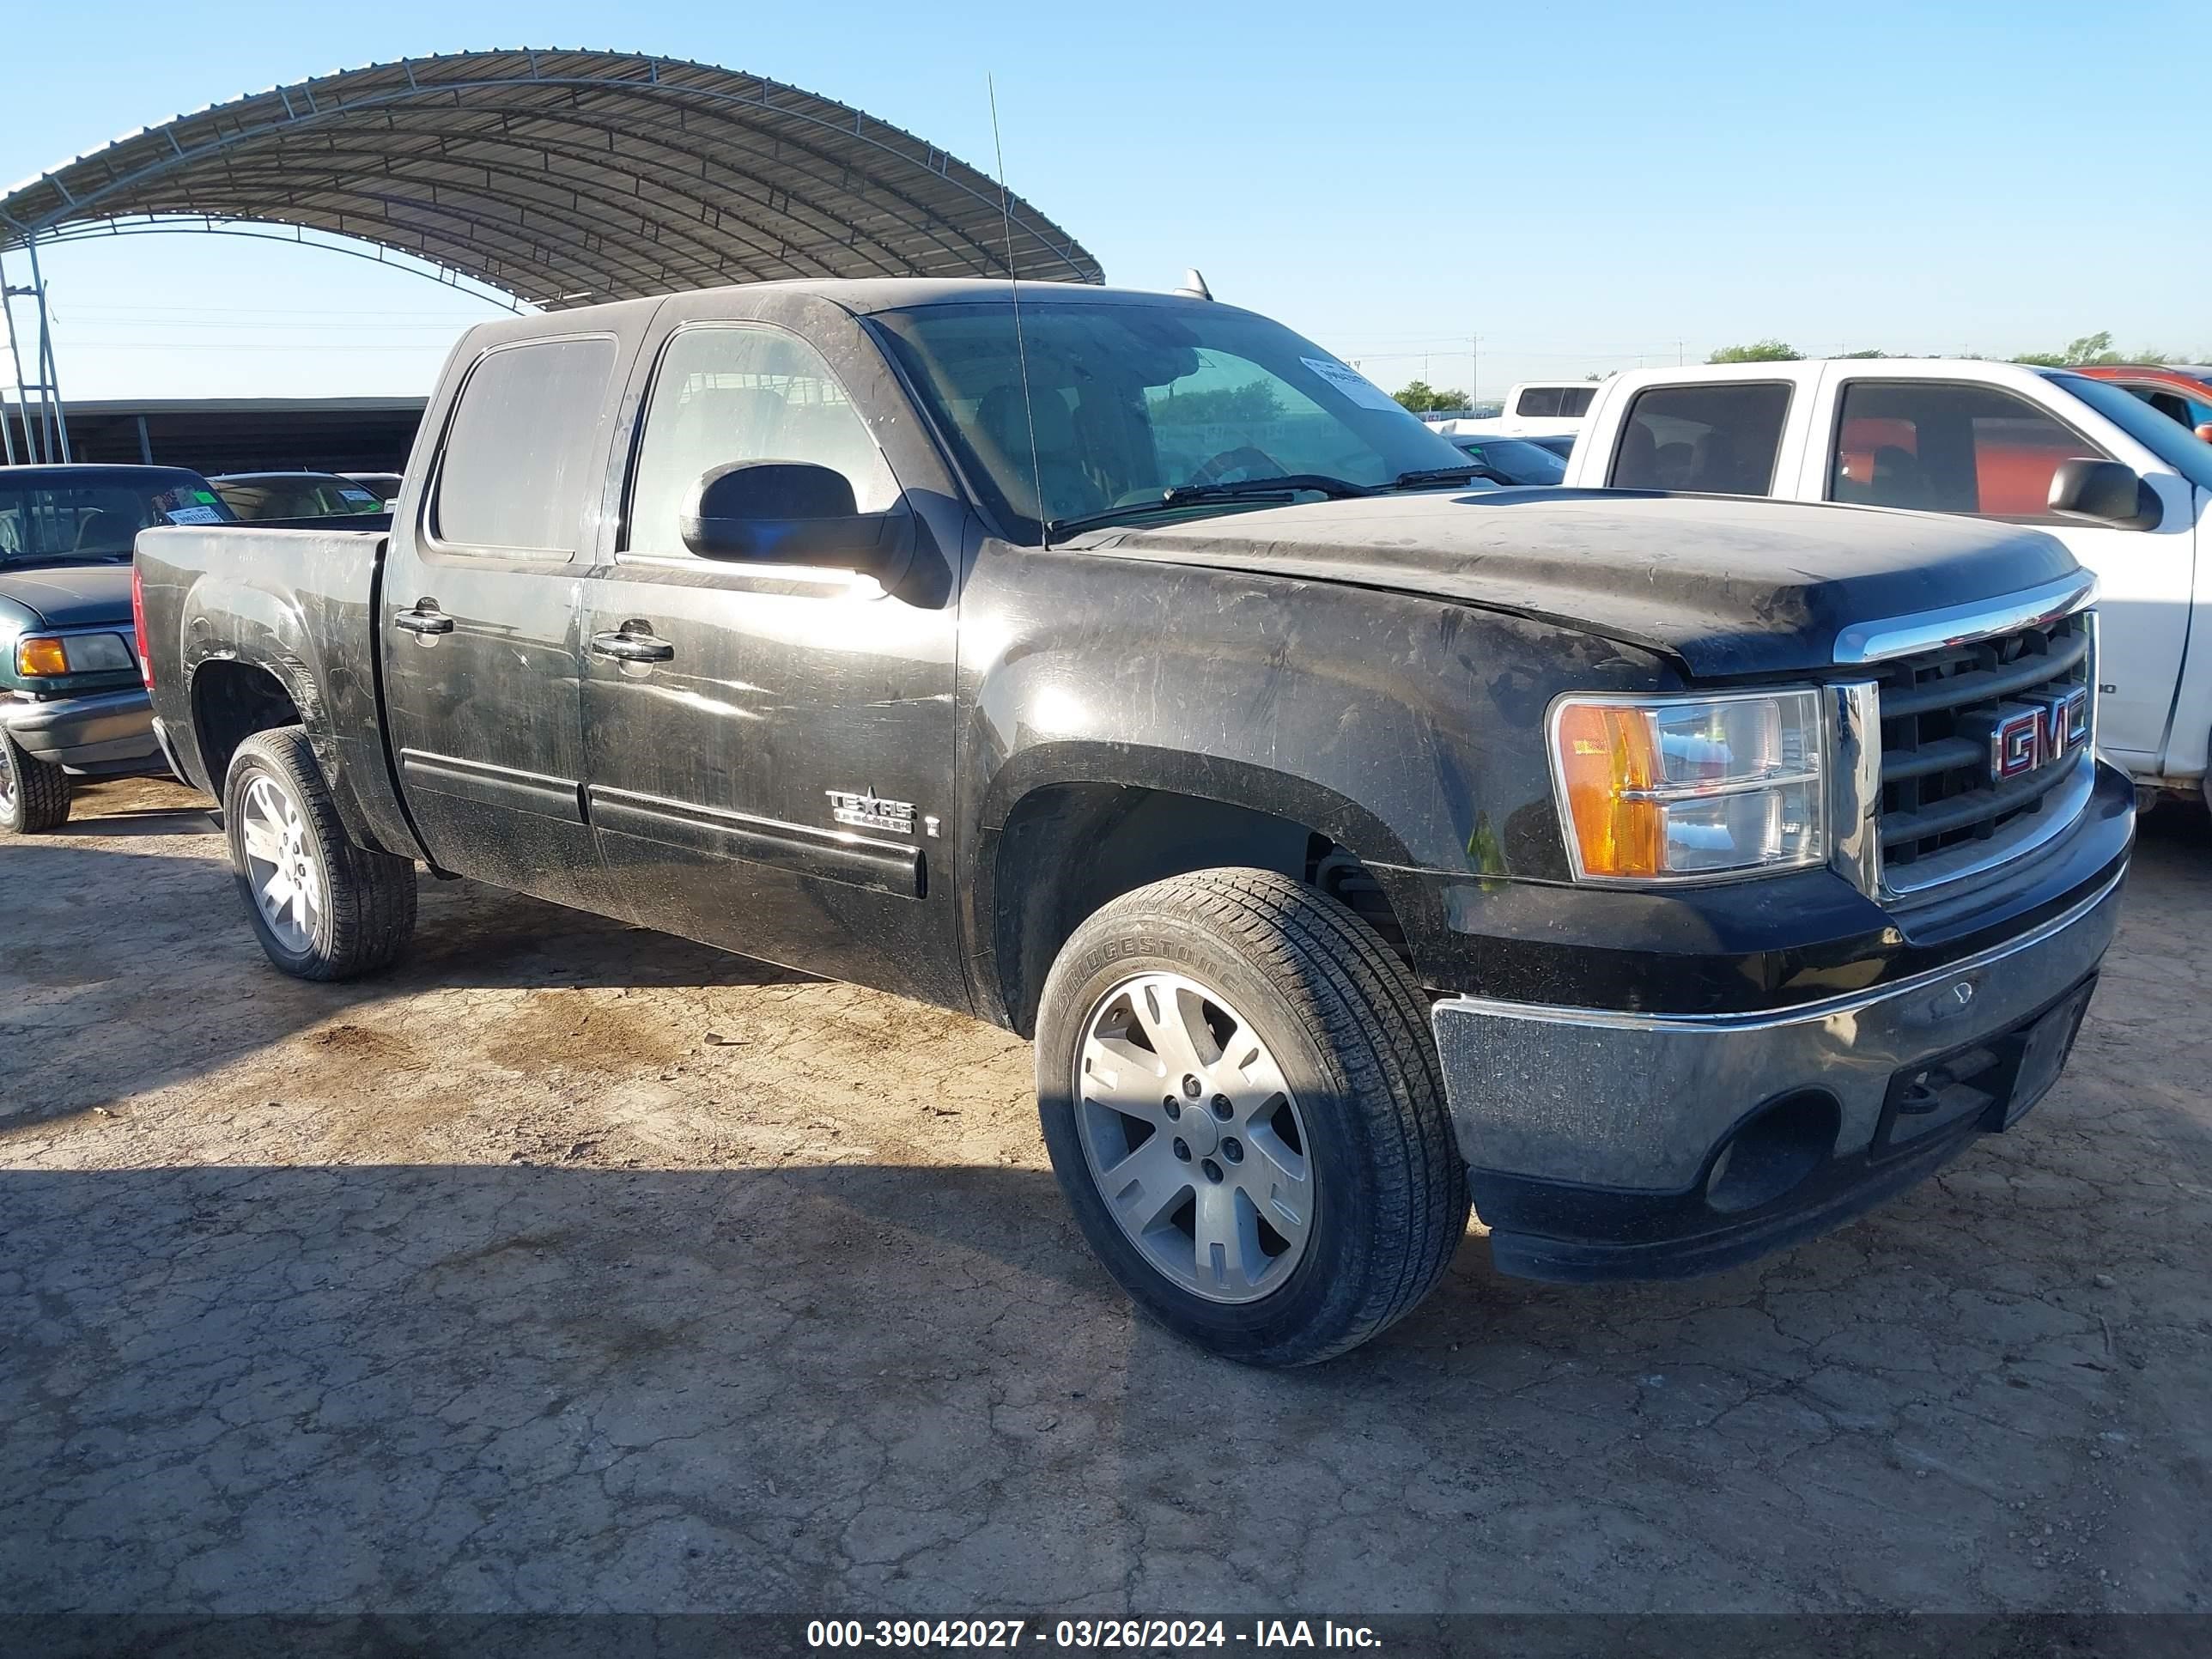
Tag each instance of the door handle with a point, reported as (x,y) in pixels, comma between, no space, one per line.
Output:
(632,647)
(423,618)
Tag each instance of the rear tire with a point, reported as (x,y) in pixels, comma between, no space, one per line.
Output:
(34,794)
(1328,1196)
(322,908)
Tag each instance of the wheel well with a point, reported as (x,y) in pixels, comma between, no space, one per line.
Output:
(232,701)
(1068,849)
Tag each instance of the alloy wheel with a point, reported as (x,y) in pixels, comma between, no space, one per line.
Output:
(283,866)
(1194,1137)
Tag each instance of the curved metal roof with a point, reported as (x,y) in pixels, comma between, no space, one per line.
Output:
(564,177)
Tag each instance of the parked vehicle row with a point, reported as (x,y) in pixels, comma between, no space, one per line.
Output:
(2083,457)
(1677,876)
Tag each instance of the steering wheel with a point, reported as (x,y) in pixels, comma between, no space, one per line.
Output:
(1237,465)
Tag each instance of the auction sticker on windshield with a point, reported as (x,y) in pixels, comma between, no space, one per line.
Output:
(1351,383)
(193,515)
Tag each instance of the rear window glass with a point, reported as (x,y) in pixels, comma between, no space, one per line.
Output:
(1575,401)
(519,463)
(1719,439)
(1539,400)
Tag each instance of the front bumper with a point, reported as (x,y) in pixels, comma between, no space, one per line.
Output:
(102,734)
(1613,1145)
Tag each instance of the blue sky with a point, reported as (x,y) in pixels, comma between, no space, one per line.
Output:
(1584,186)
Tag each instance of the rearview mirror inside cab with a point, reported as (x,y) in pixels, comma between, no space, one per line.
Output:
(2104,492)
(790,513)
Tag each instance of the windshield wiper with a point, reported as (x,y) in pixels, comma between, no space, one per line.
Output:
(1316,483)
(1439,474)
(1172,499)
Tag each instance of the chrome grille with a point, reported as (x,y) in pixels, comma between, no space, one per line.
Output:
(1945,713)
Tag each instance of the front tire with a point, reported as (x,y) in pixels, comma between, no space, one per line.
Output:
(34,794)
(1243,1104)
(322,908)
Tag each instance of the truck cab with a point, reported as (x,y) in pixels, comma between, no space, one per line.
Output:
(2125,487)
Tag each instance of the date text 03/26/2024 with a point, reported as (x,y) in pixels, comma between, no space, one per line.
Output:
(1125,1635)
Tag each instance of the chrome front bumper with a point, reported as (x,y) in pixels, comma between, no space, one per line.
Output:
(1598,1099)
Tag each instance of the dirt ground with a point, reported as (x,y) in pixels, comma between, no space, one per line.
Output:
(576,1268)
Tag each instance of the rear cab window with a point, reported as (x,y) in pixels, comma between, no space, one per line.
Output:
(520,462)
(1940,447)
(1719,438)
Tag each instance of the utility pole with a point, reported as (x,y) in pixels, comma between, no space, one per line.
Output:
(1473,370)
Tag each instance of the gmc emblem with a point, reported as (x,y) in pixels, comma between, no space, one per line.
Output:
(2042,727)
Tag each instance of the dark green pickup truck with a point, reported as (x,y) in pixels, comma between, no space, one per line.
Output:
(72,704)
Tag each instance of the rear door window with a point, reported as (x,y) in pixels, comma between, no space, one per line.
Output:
(1719,439)
(1942,448)
(519,461)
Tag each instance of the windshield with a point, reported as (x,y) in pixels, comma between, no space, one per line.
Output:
(2175,445)
(1514,460)
(298,498)
(1130,401)
(46,521)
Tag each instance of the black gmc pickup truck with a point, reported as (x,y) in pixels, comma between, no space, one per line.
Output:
(1676,876)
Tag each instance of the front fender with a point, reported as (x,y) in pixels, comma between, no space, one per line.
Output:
(1408,730)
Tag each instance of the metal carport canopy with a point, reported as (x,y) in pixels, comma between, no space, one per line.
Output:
(563,178)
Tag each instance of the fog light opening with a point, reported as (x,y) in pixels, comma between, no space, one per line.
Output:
(1772,1152)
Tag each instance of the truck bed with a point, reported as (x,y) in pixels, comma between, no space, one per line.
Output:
(300,601)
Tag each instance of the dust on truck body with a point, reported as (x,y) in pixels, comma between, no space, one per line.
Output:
(1671,875)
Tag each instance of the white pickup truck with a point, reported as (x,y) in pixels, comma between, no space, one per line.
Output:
(1535,409)
(2126,489)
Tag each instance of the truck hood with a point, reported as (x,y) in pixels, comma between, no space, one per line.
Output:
(67,595)
(1725,585)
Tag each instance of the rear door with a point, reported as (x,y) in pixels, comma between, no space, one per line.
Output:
(1982,451)
(478,618)
(768,750)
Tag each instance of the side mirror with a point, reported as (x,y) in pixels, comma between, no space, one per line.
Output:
(2104,492)
(789,512)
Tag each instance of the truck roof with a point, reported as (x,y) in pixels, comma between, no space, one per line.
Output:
(862,297)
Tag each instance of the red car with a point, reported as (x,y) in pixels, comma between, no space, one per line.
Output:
(2183,391)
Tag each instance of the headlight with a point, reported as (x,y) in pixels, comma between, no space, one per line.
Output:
(37,656)
(1672,788)
(74,653)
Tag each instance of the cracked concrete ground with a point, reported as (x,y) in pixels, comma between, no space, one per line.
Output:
(575,1268)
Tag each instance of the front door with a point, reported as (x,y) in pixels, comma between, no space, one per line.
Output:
(478,619)
(768,748)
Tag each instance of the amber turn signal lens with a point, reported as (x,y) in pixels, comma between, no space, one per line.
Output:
(1605,752)
(37,656)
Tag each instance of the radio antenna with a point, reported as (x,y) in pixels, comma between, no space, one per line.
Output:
(1014,292)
